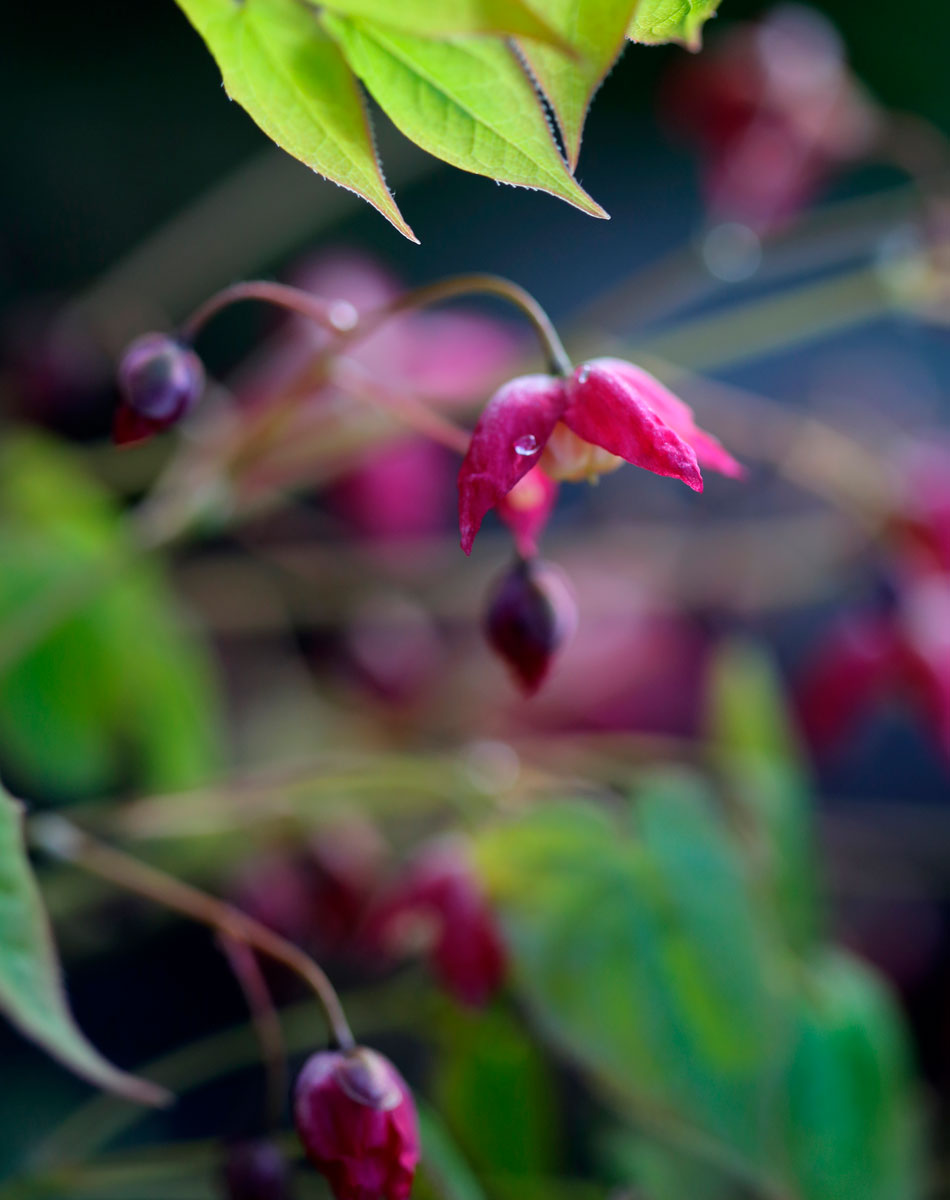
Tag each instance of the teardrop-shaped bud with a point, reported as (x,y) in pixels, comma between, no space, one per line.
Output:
(530,616)
(357,1122)
(160,380)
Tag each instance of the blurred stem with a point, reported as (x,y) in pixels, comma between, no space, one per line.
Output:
(247,971)
(61,839)
(334,316)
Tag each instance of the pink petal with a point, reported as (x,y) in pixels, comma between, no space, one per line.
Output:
(606,409)
(506,442)
(526,509)
(677,414)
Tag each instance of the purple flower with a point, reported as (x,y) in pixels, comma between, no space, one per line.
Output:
(160,380)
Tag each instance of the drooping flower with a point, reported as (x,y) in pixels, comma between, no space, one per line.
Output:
(607,412)
(160,380)
(440,909)
(357,1121)
(530,616)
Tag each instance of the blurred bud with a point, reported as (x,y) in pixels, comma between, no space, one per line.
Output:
(160,380)
(256,1170)
(775,111)
(530,616)
(439,909)
(357,1121)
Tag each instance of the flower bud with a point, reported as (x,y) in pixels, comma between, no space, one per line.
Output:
(160,380)
(357,1121)
(530,616)
(256,1170)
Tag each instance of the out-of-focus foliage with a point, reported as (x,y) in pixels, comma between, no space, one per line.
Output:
(31,992)
(117,689)
(644,949)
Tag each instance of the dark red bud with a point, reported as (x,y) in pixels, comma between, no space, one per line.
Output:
(160,380)
(530,616)
(357,1122)
(256,1170)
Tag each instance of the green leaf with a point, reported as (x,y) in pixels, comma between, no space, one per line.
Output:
(117,684)
(494,1089)
(451,18)
(755,743)
(31,994)
(596,29)
(444,1170)
(468,102)
(747,715)
(279,64)
(646,960)
(851,1118)
(658,21)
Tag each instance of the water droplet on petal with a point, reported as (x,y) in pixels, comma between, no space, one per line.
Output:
(583,374)
(343,316)
(527,445)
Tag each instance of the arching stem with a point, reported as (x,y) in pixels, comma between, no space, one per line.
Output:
(61,839)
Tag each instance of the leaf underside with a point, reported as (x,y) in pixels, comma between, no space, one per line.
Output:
(468,101)
(279,64)
(31,993)
(658,21)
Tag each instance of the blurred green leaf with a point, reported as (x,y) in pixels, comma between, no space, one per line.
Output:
(647,960)
(747,715)
(658,21)
(31,993)
(755,743)
(118,683)
(448,18)
(468,102)
(445,1173)
(851,1122)
(495,1091)
(596,29)
(279,65)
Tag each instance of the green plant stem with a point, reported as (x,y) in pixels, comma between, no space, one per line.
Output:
(60,838)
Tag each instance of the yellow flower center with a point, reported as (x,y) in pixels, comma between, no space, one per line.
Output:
(569,458)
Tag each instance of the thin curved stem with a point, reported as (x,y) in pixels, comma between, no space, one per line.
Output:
(63,840)
(467,285)
(335,316)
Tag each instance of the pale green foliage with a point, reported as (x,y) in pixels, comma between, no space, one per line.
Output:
(467,101)
(597,32)
(31,993)
(444,72)
(657,21)
(280,65)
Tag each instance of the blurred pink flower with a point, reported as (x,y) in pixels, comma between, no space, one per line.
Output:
(438,907)
(775,111)
(899,653)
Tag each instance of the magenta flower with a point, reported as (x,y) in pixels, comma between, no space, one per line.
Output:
(439,907)
(357,1121)
(605,413)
